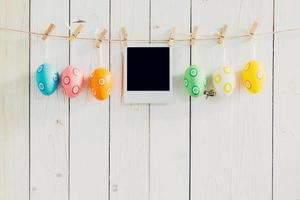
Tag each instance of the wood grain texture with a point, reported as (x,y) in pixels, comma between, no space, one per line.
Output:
(141,152)
(232,137)
(169,124)
(129,150)
(286,103)
(14,102)
(49,115)
(89,118)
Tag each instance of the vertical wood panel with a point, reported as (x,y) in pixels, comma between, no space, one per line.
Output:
(89,118)
(129,123)
(49,115)
(232,137)
(14,101)
(286,102)
(169,124)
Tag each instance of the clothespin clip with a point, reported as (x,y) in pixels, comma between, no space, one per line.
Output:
(222,34)
(101,37)
(172,36)
(124,36)
(193,35)
(79,21)
(50,28)
(253,30)
(76,32)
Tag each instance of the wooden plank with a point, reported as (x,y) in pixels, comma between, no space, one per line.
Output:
(169,124)
(14,101)
(89,118)
(49,115)
(286,103)
(232,137)
(129,150)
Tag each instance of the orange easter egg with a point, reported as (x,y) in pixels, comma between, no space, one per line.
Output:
(101,83)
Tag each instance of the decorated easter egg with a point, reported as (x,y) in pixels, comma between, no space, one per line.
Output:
(224,81)
(71,81)
(253,76)
(47,79)
(101,83)
(195,81)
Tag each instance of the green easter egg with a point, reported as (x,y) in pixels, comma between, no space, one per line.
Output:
(195,81)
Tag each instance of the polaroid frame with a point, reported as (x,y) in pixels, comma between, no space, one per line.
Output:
(146,97)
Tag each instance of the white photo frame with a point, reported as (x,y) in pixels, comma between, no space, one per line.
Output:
(146,96)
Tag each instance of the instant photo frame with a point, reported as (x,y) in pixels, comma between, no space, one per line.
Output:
(147,74)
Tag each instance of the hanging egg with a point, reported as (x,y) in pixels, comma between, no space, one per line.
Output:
(195,81)
(224,81)
(101,83)
(253,76)
(47,79)
(71,81)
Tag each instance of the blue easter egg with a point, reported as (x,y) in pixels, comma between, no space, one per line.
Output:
(47,79)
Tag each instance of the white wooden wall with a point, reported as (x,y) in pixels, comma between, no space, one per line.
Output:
(244,147)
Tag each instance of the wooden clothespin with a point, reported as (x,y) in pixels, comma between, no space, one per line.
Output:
(172,36)
(124,36)
(100,38)
(222,34)
(76,32)
(50,28)
(253,30)
(193,35)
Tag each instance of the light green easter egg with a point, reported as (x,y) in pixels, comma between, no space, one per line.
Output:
(195,81)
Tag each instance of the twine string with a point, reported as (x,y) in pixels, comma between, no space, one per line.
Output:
(224,54)
(46,51)
(100,61)
(253,48)
(207,37)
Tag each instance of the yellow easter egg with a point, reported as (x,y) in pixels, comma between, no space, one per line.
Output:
(253,76)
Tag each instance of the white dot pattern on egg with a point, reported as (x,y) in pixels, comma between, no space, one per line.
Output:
(224,81)
(108,91)
(94,91)
(66,80)
(101,81)
(75,89)
(76,72)
(40,69)
(41,86)
(56,77)
(195,90)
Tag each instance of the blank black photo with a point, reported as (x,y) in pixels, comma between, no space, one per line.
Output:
(148,69)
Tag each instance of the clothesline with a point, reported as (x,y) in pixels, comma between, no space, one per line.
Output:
(207,37)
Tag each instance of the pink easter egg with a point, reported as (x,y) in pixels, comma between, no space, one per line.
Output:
(71,81)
